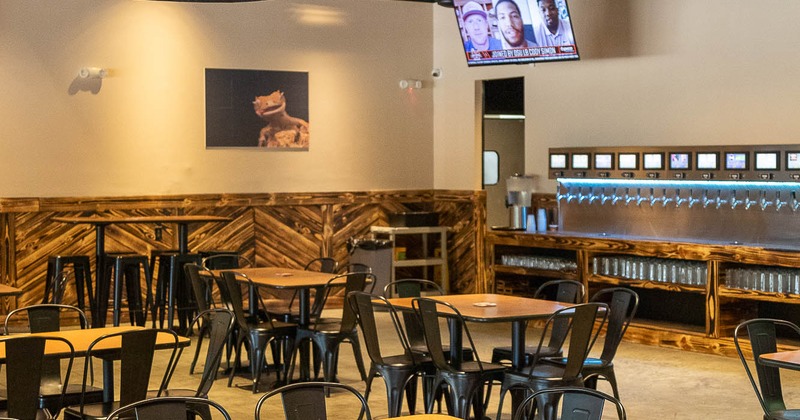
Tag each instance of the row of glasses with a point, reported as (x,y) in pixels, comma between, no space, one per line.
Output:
(764,279)
(540,262)
(692,273)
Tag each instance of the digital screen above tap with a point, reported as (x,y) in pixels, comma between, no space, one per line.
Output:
(750,162)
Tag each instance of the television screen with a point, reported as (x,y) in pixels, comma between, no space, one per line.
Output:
(604,161)
(515,31)
(678,161)
(735,160)
(707,161)
(580,161)
(653,161)
(558,161)
(793,160)
(628,161)
(767,161)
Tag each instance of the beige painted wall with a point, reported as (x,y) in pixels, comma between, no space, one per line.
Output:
(142,130)
(653,72)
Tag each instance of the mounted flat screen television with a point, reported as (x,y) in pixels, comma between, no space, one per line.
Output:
(515,31)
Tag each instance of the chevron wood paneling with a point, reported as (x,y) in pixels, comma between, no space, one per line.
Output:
(269,229)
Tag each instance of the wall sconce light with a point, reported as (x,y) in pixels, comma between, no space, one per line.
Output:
(92,73)
(410,84)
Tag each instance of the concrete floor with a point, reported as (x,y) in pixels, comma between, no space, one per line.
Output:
(654,383)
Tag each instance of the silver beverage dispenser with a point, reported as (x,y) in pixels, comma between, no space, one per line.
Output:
(518,200)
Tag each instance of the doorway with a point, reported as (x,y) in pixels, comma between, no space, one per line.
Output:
(503,142)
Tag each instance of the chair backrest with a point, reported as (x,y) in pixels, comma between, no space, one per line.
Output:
(220,323)
(762,334)
(429,311)
(137,349)
(323,265)
(170,408)
(562,290)
(412,288)
(354,282)
(225,262)
(201,281)
(623,303)
(231,295)
(362,305)
(45,317)
(584,323)
(25,357)
(576,404)
(58,284)
(306,400)
(355,268)
(567,291)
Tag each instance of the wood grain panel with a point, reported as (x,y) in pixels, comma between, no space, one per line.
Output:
(279,229)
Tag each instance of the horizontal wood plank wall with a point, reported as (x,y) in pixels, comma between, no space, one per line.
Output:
(270,229)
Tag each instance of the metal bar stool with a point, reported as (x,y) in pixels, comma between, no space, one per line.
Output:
(126,268)
(82,268)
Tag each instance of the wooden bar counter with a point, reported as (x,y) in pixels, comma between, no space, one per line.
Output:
(699,314)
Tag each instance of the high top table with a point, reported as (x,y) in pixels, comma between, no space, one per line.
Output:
(100,223)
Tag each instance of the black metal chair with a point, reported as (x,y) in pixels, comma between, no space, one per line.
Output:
(289,311)
(399,371)
(328,334)
(254,332)
(762,334)
(225,261)
(201,282)
(306,400)
(568,291)
(413,288)
(465,380)
(54,393)
(623,303)
(219,323)
(170,408)
(584,323)
(323,265)
(25,365)
(576,404)
(135,365)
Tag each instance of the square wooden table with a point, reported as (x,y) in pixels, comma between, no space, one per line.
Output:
(493,308)
(789,359)
(301,281)
(81,339)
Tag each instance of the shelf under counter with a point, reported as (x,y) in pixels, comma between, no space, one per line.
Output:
(690,316)
(526,271)
(758,295)
(646,284)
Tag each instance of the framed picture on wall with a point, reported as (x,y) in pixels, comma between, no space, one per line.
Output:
(261,109)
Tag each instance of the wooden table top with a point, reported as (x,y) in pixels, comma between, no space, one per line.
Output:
(107,220)
(81,339)
(6,290)
(492,307)
(783,359)
(284,278)
(428,417)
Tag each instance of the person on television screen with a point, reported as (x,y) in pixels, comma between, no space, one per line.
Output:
(554,31)
(476,24)
(509,19)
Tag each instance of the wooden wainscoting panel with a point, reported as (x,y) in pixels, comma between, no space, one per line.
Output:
(287,236)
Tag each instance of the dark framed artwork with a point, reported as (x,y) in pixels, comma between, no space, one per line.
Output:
(262,109)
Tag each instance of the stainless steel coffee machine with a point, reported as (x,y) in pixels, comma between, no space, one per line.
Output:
(518,200)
